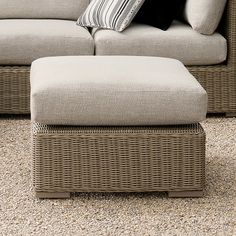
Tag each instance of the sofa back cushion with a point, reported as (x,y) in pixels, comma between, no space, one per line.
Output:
(204,15)
(51,9)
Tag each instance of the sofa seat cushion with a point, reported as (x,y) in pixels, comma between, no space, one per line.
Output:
(180,41)
(23,41)
(44,9)
(115,91)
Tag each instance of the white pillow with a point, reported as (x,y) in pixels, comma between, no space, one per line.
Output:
(204,15)
(110,14)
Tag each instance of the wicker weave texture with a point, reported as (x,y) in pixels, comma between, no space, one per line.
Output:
(113,159)
(14,90)
(220,84)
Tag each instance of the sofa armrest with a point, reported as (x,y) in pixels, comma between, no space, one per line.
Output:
(228,29)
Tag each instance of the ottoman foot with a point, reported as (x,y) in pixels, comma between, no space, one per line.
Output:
(230,114)
(52,195)
(185,194)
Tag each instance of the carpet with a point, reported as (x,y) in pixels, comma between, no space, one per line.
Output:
(117,214)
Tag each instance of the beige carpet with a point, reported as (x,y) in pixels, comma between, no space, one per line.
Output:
(117,214)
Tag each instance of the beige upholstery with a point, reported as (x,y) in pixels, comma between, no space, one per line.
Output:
(180,41)
(115,91)
(54,9)
(22,41)
(204,15)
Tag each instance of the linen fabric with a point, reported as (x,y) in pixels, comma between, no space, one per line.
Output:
(204,15)
(180,41)
(24,40)
(115,91)
(159,13)
(53,9)
(110,14)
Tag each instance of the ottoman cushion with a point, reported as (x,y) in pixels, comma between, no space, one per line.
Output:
(115,90)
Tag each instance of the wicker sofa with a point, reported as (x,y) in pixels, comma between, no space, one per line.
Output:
(219,80)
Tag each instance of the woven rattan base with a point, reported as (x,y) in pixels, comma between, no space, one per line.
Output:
(14,90)
(118,159)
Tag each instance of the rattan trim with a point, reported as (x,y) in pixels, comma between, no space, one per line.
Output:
(65,129)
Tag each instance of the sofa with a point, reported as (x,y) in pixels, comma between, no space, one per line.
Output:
(43,28)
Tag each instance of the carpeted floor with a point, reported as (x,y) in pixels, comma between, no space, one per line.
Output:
(117,214)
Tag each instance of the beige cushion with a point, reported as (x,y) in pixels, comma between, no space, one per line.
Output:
(180,41)
(115,91)
(204,15)
(22,41)
(57,9)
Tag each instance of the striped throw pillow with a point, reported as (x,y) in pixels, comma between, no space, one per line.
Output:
(110,14)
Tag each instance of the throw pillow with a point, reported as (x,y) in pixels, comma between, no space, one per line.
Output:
(204,15)
(159,13)
(110,14)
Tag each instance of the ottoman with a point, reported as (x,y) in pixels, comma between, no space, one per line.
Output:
(116,124)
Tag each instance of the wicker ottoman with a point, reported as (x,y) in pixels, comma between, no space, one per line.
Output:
(116,124)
